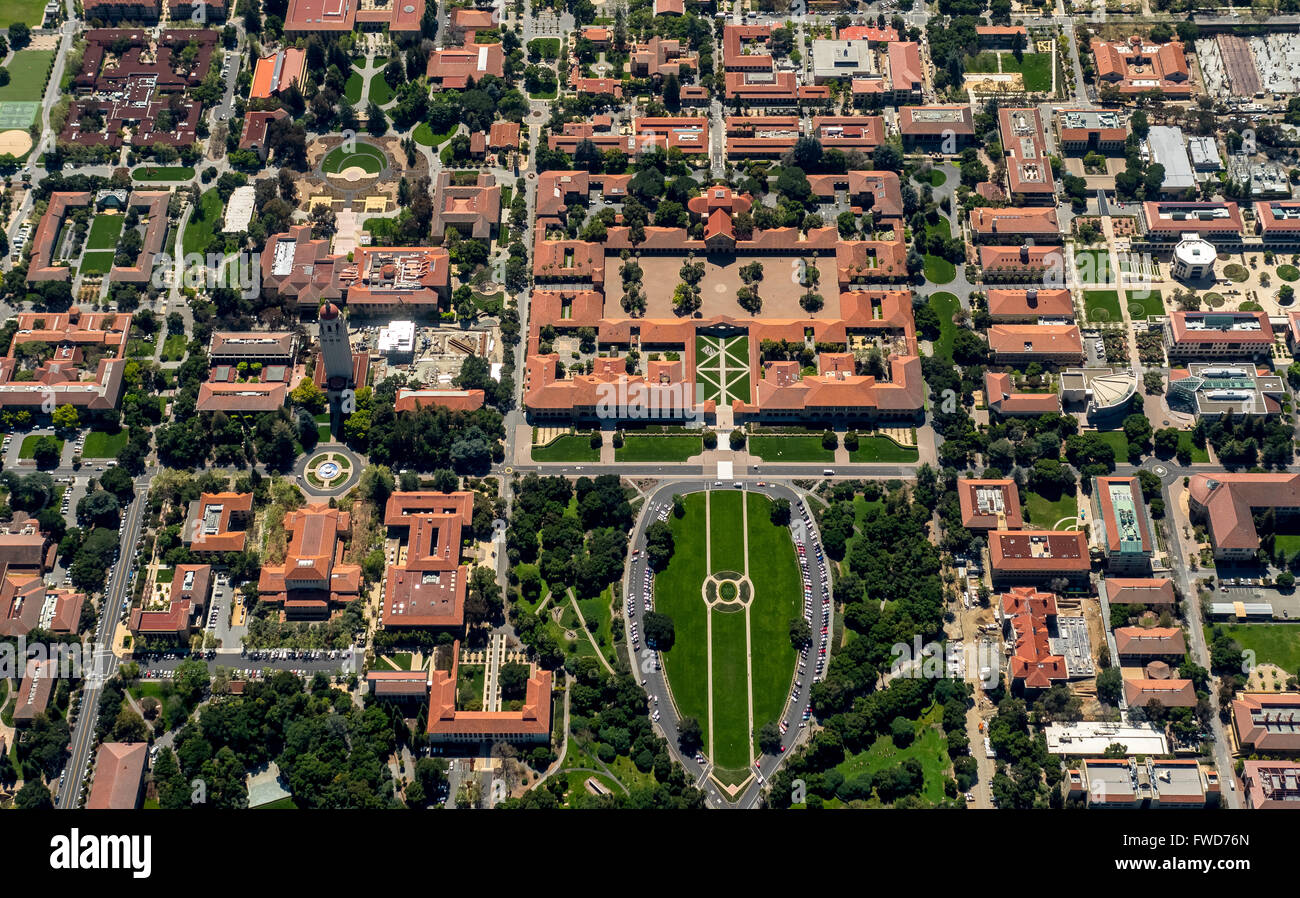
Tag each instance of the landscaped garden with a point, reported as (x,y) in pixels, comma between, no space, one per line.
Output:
(365,156)
(569,447)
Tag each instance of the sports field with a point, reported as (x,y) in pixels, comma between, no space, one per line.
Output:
(739,638)
(28,72)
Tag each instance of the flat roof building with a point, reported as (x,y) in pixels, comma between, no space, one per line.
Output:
(1122,526)
(1039,555)
(1166,147)
(1192,336)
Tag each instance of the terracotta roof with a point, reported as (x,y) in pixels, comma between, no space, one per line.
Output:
(989,504)
(1030,303)
(1140,591)
(1041,551)
(1135,66)
(1170,693)
(916,121)
(1143,641)
(457,400)
(119,776)
(1030,341)
(1229,500)
(987,221)
(276,72)
(445,721)
(1032,660)
(1278,217)
(1190,329)
(1029,171)
(1267,722)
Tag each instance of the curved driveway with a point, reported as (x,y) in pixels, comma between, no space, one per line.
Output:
(645,666)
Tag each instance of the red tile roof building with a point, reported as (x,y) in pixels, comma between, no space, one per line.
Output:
(1267,723)
(1155,592)
(27,604)
(275,72)
(531,724)
(314,578)
(1022,264)
(186,604)
(1004,400)
(1279,222)
(427,587)
(1029,616)
(42,267)
(1217,335)
(1271,785)
(218,522)
(1029,306)
(1055,344)
(474,211)
(1228,502)
(1029,171)
(1136,67)
(34,690)
(311,16)
(457,400)
(1121,526)
(1002,36)
(946,129)
(1085,130)
(1171,693)
(1039,555)
(1145,643)
(989,504)
(455,67)
(119,777)
(661,57)
(297,265)
(85,345)
(399,281)
(1011,225)
(1168,221)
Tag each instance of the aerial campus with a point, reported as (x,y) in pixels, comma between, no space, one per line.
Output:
(723,404)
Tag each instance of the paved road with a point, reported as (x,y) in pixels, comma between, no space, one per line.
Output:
(101,664)
(645,664)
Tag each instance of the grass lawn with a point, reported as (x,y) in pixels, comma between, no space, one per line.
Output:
(570,447)
(945,305)
(28,447)
(199,232)
(939,270)
(97,263)
(1035,67)
(1093,266)
(1143,307)
(425,137)
(104,232)
(168,173)
(1288,272)
(1199,454)
(1042,512)
(1272,643)
(365,156)
(1102,305)
(546,47)
(983,63)
(174,348)
(352,88)
(777,590)
(598,610)
(677,594)
(104,445)
(380,92)
(669,447)
(790,448)
(929,747)
(28,72)
(881,449)
(726,541)
(29,12)
(731,738)
(1118,442)
(937,178)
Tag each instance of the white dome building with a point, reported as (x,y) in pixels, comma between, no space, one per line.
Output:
(1193,259)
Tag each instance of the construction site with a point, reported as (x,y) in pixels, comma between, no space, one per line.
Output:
(1234,67)
(431,356)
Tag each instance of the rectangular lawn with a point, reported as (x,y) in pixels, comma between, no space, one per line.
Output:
(677,594)
(731,737)
(726,540)
(882,449)
(104,232)
(1102,305)
(790,449)
(27,73)
(103,445)
(1272,643)
(670,447)
(1043,512)
(570,447)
